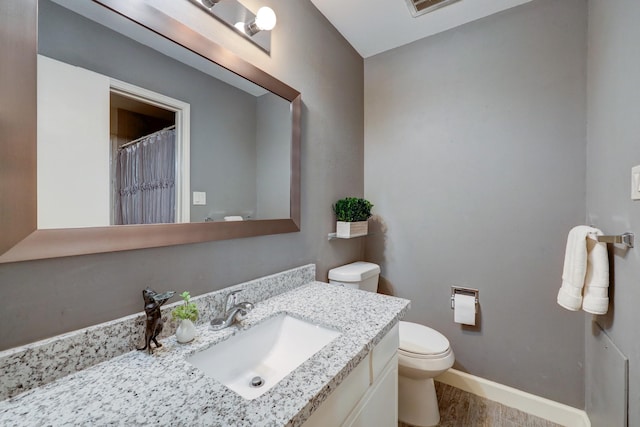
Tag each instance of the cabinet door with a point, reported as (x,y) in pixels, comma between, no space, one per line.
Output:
(343,399)
(379,407)
(369,395)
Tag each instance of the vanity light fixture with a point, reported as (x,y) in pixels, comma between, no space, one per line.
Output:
(232,13)
(210,3)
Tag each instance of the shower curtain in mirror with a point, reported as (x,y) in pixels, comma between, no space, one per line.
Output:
(145,180)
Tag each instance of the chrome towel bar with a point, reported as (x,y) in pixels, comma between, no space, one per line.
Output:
(623,239)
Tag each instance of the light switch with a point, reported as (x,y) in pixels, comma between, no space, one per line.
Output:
(199,198)
(635,183)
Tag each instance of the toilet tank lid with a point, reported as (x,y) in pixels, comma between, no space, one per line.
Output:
(354,272)
(416,338)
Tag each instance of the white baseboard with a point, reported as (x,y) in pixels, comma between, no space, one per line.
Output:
(526,402)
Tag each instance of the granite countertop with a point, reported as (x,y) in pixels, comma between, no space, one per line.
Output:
(138,388)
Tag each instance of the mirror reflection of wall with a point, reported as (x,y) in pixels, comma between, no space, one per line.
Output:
(273,174)
(139,167)
(240,142)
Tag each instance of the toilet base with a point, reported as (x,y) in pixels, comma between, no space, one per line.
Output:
(417,402)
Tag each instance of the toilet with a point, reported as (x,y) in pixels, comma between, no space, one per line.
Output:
(424,353)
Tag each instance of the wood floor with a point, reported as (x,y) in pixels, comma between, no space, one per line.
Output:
(461,409)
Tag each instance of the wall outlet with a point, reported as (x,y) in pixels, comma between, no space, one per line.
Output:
(199,198)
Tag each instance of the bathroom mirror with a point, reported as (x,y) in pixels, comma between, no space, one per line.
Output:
(254,178)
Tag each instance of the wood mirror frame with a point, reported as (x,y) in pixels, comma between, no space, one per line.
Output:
(20,239)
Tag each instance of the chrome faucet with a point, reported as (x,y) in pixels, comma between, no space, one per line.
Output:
(234,312)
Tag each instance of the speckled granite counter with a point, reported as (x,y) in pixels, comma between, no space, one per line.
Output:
(32,365)
(163,389)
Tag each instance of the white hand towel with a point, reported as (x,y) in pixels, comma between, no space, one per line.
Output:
(575,268)
(596,284)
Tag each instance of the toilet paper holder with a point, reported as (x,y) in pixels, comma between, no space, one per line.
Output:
(464,291)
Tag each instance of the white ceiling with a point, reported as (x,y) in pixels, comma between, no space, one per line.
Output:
(374,26)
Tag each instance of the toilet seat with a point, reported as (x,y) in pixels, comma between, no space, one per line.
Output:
(422,342)
(423,352)
(423,356)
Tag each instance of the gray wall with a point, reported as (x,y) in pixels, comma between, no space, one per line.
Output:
(613,148)
(43,298)
(475,161)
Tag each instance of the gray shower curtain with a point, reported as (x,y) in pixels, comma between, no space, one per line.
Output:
(145,180)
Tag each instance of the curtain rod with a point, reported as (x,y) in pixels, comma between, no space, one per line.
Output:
(135,141)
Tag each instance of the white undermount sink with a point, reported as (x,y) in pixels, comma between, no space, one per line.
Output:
(253,361)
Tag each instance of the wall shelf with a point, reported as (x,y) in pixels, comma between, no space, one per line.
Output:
(334,236)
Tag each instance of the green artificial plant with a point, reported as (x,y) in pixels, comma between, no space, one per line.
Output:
(352,209)
(186,311)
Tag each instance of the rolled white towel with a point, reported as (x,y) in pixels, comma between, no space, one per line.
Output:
(596,285)
(233,218)
(575,268)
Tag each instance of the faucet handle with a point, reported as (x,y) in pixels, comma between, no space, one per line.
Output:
(243,309)
(231,299)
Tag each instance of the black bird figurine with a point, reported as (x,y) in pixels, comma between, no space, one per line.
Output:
(152,303)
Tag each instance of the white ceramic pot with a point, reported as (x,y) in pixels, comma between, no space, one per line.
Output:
(186,331)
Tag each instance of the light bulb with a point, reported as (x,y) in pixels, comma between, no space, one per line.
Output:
(240,26)
(265,18)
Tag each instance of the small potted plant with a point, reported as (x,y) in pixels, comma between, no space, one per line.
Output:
(187,313)
(352,214)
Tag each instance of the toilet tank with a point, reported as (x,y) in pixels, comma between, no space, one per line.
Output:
(359,275)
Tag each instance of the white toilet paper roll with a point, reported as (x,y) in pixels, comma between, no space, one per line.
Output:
(464,310)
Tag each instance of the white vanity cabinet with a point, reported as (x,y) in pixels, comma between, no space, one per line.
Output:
(369,395)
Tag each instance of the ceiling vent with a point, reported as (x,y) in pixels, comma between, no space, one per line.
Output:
(420,7)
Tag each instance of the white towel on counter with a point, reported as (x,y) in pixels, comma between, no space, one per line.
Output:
(586,266)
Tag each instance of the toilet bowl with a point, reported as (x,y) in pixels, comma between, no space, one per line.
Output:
(423,354)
